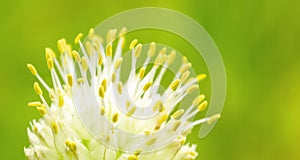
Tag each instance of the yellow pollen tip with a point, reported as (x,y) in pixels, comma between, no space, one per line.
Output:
(50,63)
(102,111)
(185,67)
(32,69)
(138,50)
(84,64)
(142,72)
(120,86)
(101,91)
(50,52)
(115,118)
(34,104)
(54,127)
(184,76)
(70,80)
(198,100)
(163,51)
(162,119)
(157,106)
(122,32)
(192,88)
(42,110)
(113,77)
(151,141)
(132,157)
(61,45)
(37,88)
(184,60)
(213,118)
(60,100)
(200,77)
(91,33)
(100,59)
(147,86)
(175,84)
(131,111)
(76,56)
(104,83)
(202,106)
(132,44)
(171,57)
(109,50)
(118,63)
(152,49)
(78,37)
(71,145)
(177,114)
(176,125)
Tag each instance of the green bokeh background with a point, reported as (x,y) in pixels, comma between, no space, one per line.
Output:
(258,39)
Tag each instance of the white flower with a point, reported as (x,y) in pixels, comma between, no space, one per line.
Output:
(130,120)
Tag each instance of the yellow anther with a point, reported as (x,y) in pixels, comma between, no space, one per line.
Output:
(131,111)
(137,152)
(84,64)
(115,118)
(122,32)
(61,45)
(132,157)
(176,125)
(54,127)
(69,50)
(78,37)
(104,84)
(120,86)
(213,118)
(163,51)
(147,86)
(184,60)
(185,67)
(118,63)
(192,88)
(76,56)
(100,59)
(51,94)
(113,77)
(37,88)
(34,104)
(147,132)
(200,77)
(80,80)
(101,91)
(88,47)
(50,52)
(152,49)
(109,50)
(184,76)
(202,106)
(175,84)
(111,35)
(151,141)
(32,69)
(162,119)
(91,34)
(157,105)
(171,57)
(102,111)
(70,80)
(137,50)
(50,63)
(42,110)
(71,145)
(160,59)
(142,72)
(60,100)
(177,114)
(199,99)
(132,44)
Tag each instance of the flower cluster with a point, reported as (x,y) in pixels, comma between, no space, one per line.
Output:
(92,114)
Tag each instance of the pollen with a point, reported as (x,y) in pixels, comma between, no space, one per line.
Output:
(202,106)
(132,44)
(109,50)
(200,77)
(115,118)
(152,49)
(147,86)
(138,50)
(175,84)
(213,118)
(34,104)
(70,80)
(78,37)
(37,88)
(177,114)
(32,69)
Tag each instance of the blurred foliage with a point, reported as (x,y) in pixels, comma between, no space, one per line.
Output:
(258,39)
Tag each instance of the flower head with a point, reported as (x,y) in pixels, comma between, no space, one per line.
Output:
(94,113)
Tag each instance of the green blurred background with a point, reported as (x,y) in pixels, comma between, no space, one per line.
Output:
(258,40)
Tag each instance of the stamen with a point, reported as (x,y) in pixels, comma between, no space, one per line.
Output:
(199,99)
(176,125)
(37,88)
(202,106)
(132,157)
(84,64)
(70,80)
(71,145)
(32,69)
(102,110)
(60,100)
(76,56)
(54,127)
(152,49)
(118,63)
(138,50)
(192,88)
(147,86)
(109,50)
(201,77)
(131,111)
(213,118)
(42,110)
(185,67)
(175,84)
(120,87)
(151,141)
(104,84)
(132,44)
(78,37)
(185,76)
(101,91)
(34,104)
(177,114)
(115,118)
(50,63)
(171,57)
